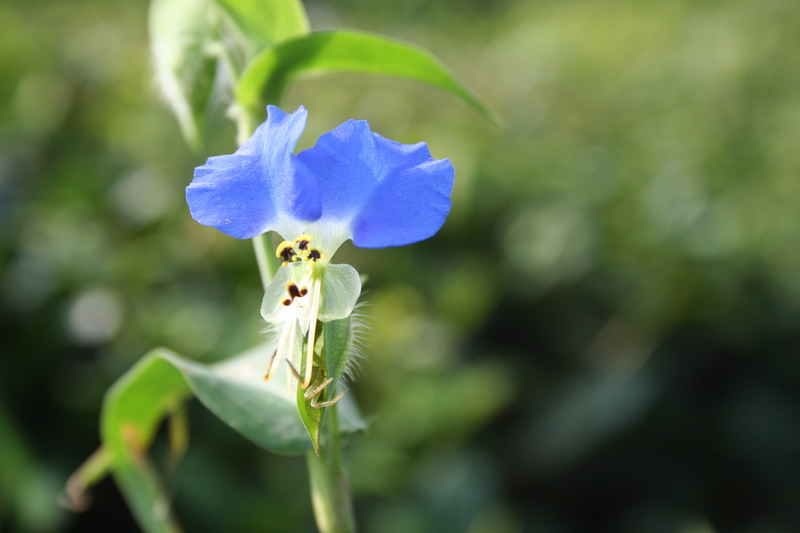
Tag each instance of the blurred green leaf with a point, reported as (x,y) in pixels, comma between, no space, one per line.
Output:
(181,32)
(27,490)
(263,23)
(132,410)
(178,431)
(268,76)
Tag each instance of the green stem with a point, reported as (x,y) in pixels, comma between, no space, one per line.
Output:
(95,468)
(330,494)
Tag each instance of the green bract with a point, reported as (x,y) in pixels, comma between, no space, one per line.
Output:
(305,295)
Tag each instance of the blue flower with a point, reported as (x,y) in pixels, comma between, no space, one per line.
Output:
(354,184)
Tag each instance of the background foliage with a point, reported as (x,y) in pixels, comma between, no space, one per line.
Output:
(603,336)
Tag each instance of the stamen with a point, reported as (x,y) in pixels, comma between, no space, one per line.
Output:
(314,255)
(313,394)
(310,393)
(291,343)
(294,371)
(302,241)
(293,291)
(297,250)
(312,331)
(272,368)
(269,372)
(286,252)
(320,405)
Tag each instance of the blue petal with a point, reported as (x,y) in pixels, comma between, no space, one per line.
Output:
(386,193)
(251,191)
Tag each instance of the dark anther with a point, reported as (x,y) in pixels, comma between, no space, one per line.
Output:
(293,291)
(302,242)
(287,254)
(314,254)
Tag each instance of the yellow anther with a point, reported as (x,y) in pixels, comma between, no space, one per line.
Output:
(285,252)
(302,241)
(293,290)
(314,255)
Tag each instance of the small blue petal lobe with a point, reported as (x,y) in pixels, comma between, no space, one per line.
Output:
(390,194)
(229,194)
(246,193)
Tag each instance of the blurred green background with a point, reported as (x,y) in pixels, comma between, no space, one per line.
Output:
(603,337)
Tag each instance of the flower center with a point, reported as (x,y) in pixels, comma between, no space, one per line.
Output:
(300,311)
(299,250)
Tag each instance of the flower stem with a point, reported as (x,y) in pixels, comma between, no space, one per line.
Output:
(330,494)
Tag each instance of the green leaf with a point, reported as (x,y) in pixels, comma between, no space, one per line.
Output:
(180,34)
(263,23)
(268,76)
(264,412)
